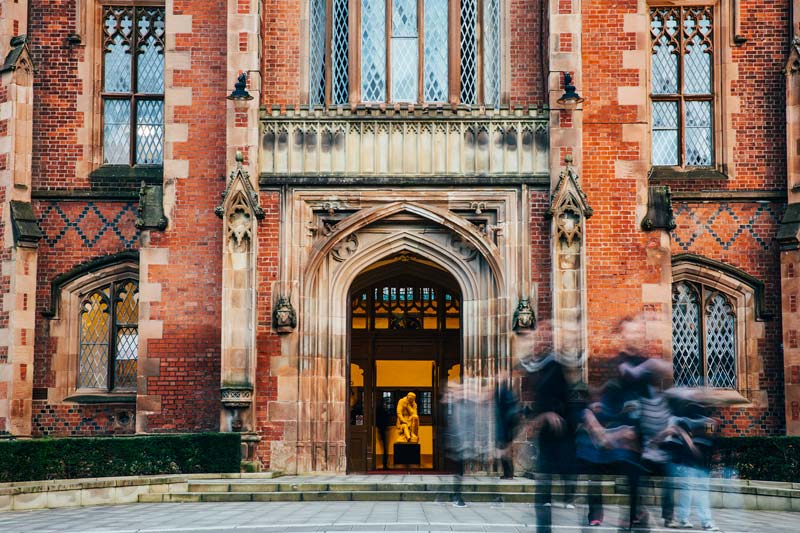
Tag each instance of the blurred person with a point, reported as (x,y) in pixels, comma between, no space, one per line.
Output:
(506,417)
(461,435)
(691,445)
(554,422)
(382,423)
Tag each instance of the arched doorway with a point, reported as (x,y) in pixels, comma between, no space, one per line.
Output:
(404,336)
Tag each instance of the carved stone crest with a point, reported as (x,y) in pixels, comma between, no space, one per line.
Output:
(345,248)
(284,317)
(524,317)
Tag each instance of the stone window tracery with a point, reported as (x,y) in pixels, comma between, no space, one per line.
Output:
(133,84)
(404,51)
(682,85)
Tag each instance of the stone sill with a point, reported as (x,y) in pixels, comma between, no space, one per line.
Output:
(95,398)
(678,173)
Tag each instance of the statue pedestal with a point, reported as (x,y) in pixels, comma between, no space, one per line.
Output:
(406,453)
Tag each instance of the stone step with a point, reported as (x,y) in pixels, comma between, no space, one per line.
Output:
(495,488)
(359,495)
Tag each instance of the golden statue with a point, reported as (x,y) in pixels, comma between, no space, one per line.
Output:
(408,419)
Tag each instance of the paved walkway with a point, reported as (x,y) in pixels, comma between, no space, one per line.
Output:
(344,516)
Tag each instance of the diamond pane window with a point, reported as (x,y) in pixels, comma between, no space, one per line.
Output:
(109,338)
(681,86)
(491,48)
(703,337)
(133,79)
(404,51)
(317,52)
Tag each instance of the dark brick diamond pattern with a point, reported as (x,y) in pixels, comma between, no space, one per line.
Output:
(90,224)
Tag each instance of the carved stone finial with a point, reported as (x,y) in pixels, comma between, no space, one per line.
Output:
(284,317)
(524,317)
(568,159)
(239,157)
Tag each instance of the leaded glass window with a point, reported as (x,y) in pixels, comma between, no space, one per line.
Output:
(398,305)
(109,337)
(404,51)
(681,86)
(133,85)
(703,337)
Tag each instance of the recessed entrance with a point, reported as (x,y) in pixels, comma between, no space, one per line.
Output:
(405,337)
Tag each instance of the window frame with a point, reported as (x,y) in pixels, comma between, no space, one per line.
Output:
(116,286)
(720,36)
(744,294)
(65,330)
(354,56)
(133,97)
(704,294)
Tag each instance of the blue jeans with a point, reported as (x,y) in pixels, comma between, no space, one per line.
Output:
(692,485)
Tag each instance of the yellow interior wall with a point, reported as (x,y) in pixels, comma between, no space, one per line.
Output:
(404,373)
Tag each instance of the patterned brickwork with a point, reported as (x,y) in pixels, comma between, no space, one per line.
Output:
(79,420)
(742,235)
(74,233)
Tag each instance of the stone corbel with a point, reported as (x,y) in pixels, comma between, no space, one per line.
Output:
(659,209)
(236,399)
(284,318)
(524,316)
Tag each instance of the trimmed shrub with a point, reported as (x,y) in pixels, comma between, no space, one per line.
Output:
(762,458)
(38,459)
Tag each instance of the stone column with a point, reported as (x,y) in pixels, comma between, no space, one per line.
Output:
(20,232)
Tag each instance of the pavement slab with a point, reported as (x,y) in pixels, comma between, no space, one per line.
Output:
(396,517)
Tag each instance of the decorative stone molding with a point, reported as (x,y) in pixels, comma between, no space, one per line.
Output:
(524,316)
(284,317)
(236,397)
(392,225)
(420,142)
(569,209)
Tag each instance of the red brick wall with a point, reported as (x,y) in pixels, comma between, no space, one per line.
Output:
(190,306)
(56,119)
(281,53)
(527,51)
(615,247)
(267,341)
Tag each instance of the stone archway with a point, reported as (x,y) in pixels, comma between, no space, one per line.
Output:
(337,242)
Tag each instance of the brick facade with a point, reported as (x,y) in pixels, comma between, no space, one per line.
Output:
(731,216)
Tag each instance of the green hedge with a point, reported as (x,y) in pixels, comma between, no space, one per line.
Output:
(763,458)
(29,460)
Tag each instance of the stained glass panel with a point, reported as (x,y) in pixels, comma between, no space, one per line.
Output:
(373,51)
(686,354)
(491,52)
(436,29)
(469,49)
(116,132)
(339,51)
(118,27)
(720,342)
(93,358)
(697,58)
(665,133)
(664,60)
(698,133)
(149,132)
